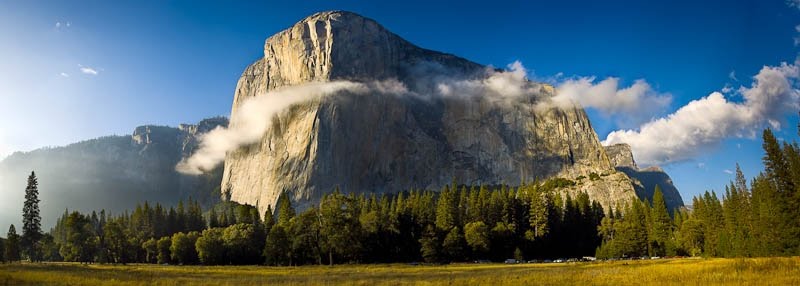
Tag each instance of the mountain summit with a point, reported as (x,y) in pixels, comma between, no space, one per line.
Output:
(376,142)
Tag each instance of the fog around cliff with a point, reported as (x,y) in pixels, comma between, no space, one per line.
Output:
(696,127)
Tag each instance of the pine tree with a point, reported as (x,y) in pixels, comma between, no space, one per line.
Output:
(12,245)
(31,220)
(775,163)
(269,219)
(661,225)
(539,214)
(446,209)
(213,218)
(285,210)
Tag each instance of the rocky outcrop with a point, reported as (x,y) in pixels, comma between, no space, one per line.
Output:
(644,180)
(620,155)
(113,173)
(380,143)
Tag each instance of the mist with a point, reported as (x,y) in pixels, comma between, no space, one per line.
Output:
(252,119)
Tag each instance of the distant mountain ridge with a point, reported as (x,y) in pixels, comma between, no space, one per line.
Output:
(111,172)
(645,180)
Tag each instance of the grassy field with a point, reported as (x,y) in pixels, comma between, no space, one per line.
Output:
(752,271)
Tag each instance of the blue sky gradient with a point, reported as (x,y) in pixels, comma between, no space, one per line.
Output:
(171,62)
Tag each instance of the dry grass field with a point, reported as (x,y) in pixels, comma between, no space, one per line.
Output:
(750,271)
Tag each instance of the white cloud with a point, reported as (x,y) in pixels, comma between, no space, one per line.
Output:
(88,70)
(496,85)
(63,74)
(252,119)
(634,104)
(732,75)
(703,123)
(726,171)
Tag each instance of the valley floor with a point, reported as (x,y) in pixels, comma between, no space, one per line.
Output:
(750,271)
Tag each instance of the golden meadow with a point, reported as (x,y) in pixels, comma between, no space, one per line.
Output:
(715,271)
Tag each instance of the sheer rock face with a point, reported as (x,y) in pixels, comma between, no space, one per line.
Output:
(644,180)
(621,155)
(383,143)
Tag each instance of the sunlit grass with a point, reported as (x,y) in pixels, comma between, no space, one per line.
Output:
(751,271)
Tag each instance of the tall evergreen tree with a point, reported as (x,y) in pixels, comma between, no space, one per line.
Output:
(446,210)
(213,218)
(31,220)
(661,225)
(285,210)
(539,214)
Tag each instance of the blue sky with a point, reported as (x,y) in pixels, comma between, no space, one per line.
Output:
(74,70)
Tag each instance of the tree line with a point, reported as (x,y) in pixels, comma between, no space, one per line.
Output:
(456,223)
(759,218)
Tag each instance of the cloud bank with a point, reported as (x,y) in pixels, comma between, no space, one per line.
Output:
(252,119)
(703,123)
(687,132)
(494,85)
(637,102)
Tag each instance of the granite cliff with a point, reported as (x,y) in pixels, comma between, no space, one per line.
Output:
(644,180)
(378,143)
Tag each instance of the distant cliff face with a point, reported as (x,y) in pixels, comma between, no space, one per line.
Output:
(114,172)
(644,180)
(373,143)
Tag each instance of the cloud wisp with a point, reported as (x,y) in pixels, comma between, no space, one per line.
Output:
(88,70)
(252,119)
(703,123)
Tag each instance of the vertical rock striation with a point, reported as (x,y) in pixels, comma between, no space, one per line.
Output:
(382,143)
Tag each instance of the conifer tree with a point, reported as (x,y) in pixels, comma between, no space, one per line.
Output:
(446,210)
(285,210)
(661,225)
(31,220)
(539,214)
(213,218)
